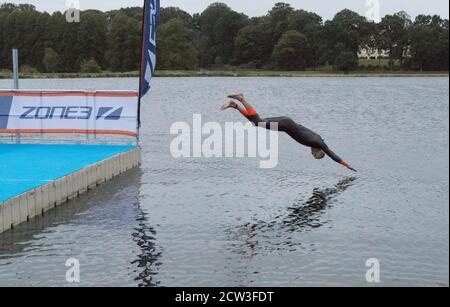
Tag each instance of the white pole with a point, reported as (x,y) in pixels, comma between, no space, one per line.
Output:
(15,53)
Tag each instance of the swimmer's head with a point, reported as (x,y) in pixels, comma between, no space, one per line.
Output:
(318,153)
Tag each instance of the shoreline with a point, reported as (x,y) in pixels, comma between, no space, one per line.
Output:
(221,73)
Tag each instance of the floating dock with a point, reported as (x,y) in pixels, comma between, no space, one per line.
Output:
(35,178)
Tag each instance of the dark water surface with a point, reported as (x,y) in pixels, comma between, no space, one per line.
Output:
(226,222)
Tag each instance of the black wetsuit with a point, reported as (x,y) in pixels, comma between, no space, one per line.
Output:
(299,133)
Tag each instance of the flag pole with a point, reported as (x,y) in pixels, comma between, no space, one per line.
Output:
(15,55)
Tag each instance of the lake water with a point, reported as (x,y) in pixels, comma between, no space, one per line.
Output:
(226,222)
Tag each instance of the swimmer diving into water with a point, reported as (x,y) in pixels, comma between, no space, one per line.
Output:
(299,133)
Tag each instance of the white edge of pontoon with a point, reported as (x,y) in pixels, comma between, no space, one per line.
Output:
(35,202)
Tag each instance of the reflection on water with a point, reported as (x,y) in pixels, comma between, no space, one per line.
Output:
(302,216)
(15,242)
(225,222)
(148,260)
(105,215)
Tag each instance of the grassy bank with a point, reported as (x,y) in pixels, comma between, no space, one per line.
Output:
(34,75)
(231,73)
(264,73)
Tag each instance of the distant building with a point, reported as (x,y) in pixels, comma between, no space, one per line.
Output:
(372,53)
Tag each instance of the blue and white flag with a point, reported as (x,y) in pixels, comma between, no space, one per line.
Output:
(148,61)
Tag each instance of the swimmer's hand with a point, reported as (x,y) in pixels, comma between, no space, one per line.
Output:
(351,168)
(345,163)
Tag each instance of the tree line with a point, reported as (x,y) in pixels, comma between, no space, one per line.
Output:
(283,39)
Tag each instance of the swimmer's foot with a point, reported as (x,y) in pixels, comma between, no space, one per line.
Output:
(228,105)
(238,97)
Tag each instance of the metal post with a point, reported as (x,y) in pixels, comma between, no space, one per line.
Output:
(15,54)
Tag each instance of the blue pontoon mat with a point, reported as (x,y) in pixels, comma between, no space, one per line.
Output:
(26,167)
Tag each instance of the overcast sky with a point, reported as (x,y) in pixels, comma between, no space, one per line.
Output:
(325,8)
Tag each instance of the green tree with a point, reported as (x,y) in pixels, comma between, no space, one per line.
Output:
(218,36)
(201,44)
(346,61)
(442,46)
(41,42)
(76,42)
(393,36)
(279,19)
(347,32)
(20,30)
(429,43)
(170,13)
(311,25)
(3,38)
(54,35)
(90,66)
(133,12)
(92,35)
(254,44)
(175,47)
(69,47)
(124,43)
(292,51)
(10,7)
(220,25)
(52,61)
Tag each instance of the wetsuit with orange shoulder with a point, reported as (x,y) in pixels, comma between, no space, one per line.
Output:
(296,131)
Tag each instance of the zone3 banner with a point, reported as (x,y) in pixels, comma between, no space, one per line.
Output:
(69,112)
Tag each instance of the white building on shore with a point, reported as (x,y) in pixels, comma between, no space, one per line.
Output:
(372,53)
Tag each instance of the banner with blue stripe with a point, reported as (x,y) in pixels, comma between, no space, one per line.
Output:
(148,61)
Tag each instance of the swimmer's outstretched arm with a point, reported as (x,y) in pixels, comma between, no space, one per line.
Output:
(336,158)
